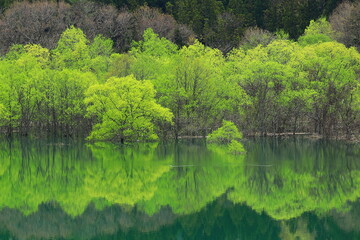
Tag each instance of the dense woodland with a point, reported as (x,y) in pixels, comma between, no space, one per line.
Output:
(138,73)
(221,24)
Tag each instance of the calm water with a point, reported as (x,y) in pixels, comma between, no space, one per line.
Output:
(281,189)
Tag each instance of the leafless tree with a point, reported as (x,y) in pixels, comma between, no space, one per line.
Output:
(148,17)
(184,35)
(38,22)
(43,22)
(162,24)
(125,31)
(345,20)
(94,18)
(254,36)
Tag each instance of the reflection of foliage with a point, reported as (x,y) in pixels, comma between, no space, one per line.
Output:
(126,175)
(218,220)
(187,190)
(197,181)
(235,147)
(282,178)
(297,177)
(73,176)
(301,232)
(223,150)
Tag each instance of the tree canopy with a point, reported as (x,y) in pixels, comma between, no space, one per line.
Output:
(81,87)
(126,109)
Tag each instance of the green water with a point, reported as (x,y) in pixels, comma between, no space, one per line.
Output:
(281,189)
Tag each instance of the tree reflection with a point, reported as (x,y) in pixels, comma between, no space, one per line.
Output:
(287,178)
(282,189)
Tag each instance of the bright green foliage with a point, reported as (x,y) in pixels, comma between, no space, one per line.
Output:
(120,65)
(184,177)
(318,31)
(100,51)
(289,85)
(190,82)
(225,134)
(152,45)
(36,94)
(314,39)
(72,50)
(21,77)
(263,74)
(285,185)
(320,26)
(235,147)
(199,85)
(151,56)
(282,87)
(199,176)
(335,83)
(10,110)
(62,172)
(100,46)
(44,90)
(126,109)
(65,93)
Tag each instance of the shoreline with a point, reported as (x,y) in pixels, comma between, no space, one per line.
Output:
(314,136)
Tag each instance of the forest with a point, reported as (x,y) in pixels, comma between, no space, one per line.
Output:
(129,71)
(221,24)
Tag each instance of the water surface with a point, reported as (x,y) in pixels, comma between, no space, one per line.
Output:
(290,188)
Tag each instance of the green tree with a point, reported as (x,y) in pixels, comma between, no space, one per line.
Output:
(64,106)
(151,56)
(100,51)
(72,50)
(126,110)
(317,32)
(10,107)
(190,81)
(225,134)
(23,74)
(332,72)
(263,74)
(198,83)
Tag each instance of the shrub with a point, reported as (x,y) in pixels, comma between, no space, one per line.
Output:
(225,134)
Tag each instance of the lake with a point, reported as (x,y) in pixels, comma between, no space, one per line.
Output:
(289,188)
